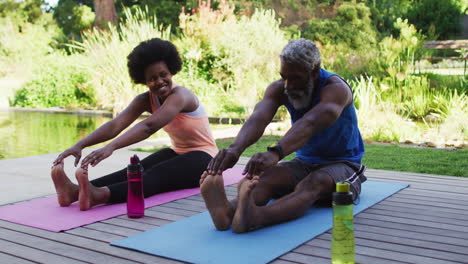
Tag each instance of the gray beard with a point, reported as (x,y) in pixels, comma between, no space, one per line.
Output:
(302,99)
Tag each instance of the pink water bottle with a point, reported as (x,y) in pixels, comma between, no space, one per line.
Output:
(135,199)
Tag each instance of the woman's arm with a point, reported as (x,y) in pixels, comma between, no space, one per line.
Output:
(110,129)
(179,100)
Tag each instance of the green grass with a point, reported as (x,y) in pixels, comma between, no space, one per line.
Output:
(396,158)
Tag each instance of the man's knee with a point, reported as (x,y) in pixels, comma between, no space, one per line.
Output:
(317,184)
(276,181)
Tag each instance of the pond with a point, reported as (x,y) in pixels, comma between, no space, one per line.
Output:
(34,133)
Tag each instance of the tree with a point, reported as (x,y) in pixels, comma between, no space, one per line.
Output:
(105,13)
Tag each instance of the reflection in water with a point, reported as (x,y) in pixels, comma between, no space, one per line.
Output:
(29,133)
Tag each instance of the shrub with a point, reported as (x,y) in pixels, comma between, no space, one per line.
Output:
(238,55)
(55,85)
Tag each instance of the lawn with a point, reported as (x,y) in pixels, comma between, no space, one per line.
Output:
(385,157)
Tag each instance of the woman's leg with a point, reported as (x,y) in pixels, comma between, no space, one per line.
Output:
(180,172)
(148,162)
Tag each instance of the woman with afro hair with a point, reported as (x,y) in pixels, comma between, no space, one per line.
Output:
(173,108)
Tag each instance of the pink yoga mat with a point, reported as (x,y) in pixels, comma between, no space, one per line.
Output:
(45,213)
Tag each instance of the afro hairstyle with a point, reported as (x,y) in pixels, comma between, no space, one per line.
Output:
(149,52)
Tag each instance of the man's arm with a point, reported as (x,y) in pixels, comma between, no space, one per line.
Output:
(251,131)
(335,96)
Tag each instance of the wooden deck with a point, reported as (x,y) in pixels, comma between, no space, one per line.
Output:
(425,223)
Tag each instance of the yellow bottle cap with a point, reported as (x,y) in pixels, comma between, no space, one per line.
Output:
(342,187)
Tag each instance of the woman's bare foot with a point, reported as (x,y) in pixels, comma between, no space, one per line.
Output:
(89,195)
(67,191)
(212,190)
(245,216)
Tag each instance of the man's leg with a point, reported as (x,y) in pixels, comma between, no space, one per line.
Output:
(317,185)
(274,180)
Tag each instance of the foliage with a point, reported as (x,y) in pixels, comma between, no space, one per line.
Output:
(21,11)
(239,55)
(55,85)
(348,41)
(22,45)
(73,18)
(106,53)
(437,19)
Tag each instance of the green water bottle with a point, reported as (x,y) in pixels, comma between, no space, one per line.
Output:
(342,246)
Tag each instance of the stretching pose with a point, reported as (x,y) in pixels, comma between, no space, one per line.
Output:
(174,108)
(324,135)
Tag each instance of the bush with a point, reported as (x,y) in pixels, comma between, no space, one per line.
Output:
(238,55)
(347,41)
(56,85)
(73,18)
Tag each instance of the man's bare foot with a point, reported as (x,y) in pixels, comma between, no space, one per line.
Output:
(212,190)
(245,216)
(67,191)
(89,195)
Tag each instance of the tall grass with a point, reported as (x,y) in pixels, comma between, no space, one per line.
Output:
(107,52)
(378,120)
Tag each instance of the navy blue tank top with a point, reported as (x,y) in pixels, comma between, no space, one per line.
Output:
(341,141)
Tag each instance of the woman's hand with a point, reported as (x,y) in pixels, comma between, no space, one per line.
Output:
(97,156)
(73,151)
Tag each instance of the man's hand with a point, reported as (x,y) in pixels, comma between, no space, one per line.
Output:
(225,159)
(73,151)
(97,156)
(260,162)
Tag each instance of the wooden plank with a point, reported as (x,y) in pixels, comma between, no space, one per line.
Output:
(86,243)
(435,205)
(378,250)
(323,251)
(382,228)
(419,211)
(461,224)
(449,41)
(411,227)
(5,258)
(415,175)
(129,224)
(403,220)
(183,207)
(146,220)
(418,179)
(303,258)
(430,198)
(431,193)
(59,249)
(409,246)
(280,261)
(94,234)
(164,216)
(113,229)
(34,254)
(174,211)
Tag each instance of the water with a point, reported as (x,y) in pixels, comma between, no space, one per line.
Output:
(31,133)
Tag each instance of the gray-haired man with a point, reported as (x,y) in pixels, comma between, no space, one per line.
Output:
(324,134)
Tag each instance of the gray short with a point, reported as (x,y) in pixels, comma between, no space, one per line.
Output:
(338,170)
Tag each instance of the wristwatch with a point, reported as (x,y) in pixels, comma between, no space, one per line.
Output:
(277,149)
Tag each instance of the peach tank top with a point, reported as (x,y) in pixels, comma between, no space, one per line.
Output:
(189,131)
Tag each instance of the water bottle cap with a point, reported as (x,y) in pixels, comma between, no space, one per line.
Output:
(342,187)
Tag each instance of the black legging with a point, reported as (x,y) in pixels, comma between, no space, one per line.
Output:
(164,171)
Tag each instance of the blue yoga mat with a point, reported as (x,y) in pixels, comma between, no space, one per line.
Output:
(195,239)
